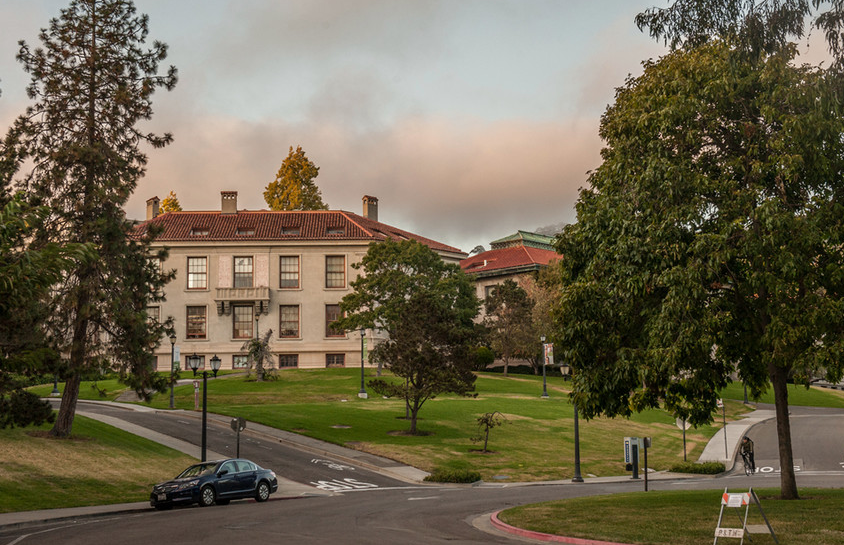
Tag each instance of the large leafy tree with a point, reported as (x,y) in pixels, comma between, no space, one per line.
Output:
(754,27)
(294,187)
(710,240)
(508,318)
(92,82)
(26,276)
(426,307)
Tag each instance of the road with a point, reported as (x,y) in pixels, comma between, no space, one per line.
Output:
(360,504)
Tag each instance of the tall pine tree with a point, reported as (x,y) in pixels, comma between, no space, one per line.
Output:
(92,82)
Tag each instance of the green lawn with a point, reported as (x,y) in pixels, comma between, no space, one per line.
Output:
(685,517)
(98,465)
(535,443)
(797,396)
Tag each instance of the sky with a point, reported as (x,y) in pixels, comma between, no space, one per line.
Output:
(467,119)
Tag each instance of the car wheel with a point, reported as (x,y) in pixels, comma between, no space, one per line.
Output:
(263,491)
(207,496)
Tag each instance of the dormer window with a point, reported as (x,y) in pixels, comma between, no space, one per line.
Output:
(245,232)
(199,232)
(291,230)
(336,231)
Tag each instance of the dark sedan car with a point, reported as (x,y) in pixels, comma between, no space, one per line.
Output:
(217,482)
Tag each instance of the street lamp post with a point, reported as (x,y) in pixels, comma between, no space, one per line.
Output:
(193,361)
(566,371)
(362,394)
(172,364)
(544,363)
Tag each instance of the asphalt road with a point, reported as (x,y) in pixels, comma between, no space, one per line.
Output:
(384,510)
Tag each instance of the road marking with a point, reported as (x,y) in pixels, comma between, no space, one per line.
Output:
(332,465)
(425,498)
(338,485)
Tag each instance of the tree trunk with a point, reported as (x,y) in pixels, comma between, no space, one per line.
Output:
(788,482)
(413,414)
(506,364)
(67,409)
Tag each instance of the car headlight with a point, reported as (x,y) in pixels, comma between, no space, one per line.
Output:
(189,484)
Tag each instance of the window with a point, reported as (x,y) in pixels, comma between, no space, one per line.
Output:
(288,360)
(288,325)
(289,272)
(335,271)
(336,231)
(240,361)
(153,315)
(291,231)
(242,321)
(489,291)
(245,232)
(243,272)
(197,273)
(199,232)
(335,360)
(332,314)
(196,323)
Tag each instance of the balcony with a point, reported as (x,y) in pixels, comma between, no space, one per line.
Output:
(259,296)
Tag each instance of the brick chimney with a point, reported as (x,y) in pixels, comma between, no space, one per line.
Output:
(229,202)
(152,207)
(370,207)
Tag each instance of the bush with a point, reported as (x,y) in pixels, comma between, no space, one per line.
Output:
(705,468)
(483,357)
(441,475)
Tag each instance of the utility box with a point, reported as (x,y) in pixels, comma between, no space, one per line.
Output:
(629,443)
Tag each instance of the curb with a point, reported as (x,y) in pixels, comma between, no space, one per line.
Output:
(552,538)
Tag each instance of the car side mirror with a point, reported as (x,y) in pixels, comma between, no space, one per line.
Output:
(222,472)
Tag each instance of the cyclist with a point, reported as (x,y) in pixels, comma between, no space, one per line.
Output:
(746,450)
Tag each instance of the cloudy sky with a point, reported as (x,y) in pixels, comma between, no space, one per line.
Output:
(468,119)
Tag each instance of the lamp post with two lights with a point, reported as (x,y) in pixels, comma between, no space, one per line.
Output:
(172,365)
(193,361)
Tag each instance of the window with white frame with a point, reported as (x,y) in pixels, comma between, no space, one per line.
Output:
(242,321)
(240,361)
(335,271)
(289,272)
(288,321)
(197,273)
(196,323)
(243,272)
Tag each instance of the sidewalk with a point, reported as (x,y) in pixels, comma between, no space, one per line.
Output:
(721,449)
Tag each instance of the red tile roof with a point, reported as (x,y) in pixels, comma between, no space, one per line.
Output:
(270,225)
(513,257)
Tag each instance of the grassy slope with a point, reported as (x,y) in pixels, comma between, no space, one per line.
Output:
(98,465)
(535,443)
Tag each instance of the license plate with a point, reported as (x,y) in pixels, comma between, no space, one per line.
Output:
(162,497)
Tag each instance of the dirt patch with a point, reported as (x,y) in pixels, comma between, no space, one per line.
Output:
(43,434)
(405,433)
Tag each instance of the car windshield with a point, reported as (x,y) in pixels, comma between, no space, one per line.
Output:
(198,470)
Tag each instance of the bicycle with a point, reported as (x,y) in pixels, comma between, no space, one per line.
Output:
(748,466)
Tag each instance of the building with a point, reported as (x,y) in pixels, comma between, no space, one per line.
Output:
(239,272)
(514,257)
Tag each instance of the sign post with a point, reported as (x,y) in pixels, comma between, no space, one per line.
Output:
(238,425)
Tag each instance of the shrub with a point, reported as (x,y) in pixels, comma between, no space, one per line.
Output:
(705,468)
(441,475)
